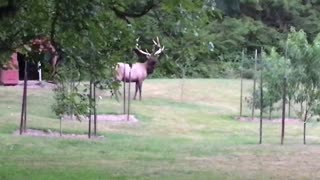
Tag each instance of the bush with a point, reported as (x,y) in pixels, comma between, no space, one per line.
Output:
(248,73)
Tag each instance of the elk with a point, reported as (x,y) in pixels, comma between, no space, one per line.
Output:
(140,71)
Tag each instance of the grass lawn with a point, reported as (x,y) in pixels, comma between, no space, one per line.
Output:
(196,137)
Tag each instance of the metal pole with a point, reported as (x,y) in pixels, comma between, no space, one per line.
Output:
(254,83)
(90,108)
(284,93)
(129,95)
(61,126)
(124,89)
(241,82)
(94,109)
(40,71)
(261,105)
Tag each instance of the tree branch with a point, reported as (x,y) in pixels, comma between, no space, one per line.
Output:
(9,9)
(127,14)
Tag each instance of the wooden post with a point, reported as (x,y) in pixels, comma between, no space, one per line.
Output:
(284,93)
(261,104)
(129,96)
(254,83)
(241,82)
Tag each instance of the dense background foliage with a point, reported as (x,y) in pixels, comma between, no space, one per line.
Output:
(202,38)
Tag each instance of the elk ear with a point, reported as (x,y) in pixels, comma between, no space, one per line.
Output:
(142,57)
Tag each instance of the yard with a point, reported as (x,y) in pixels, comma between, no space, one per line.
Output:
(196,137)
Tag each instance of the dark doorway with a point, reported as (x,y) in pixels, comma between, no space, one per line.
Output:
(32,68)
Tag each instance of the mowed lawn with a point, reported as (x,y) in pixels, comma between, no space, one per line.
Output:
(193,136)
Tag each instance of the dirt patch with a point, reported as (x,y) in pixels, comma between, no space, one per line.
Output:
(276,121)
(53,134)
(108,118)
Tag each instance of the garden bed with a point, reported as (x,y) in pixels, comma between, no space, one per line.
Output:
(55,134)
(267,120)
(108,118)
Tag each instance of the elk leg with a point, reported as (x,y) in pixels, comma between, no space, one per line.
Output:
(140,89)
(135,94)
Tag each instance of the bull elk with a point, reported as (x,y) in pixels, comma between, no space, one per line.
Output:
(140,71)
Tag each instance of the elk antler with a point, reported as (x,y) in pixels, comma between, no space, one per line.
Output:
(158,45)
(141,51)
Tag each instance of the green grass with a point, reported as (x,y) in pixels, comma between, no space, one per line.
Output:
(196,137)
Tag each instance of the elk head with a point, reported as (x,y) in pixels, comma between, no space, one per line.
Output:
(150,59)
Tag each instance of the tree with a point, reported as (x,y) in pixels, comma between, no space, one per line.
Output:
(305,62)
(90,37)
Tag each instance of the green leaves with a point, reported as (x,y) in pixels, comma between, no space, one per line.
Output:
(300,65)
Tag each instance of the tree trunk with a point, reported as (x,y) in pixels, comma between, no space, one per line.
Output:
(24,100)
